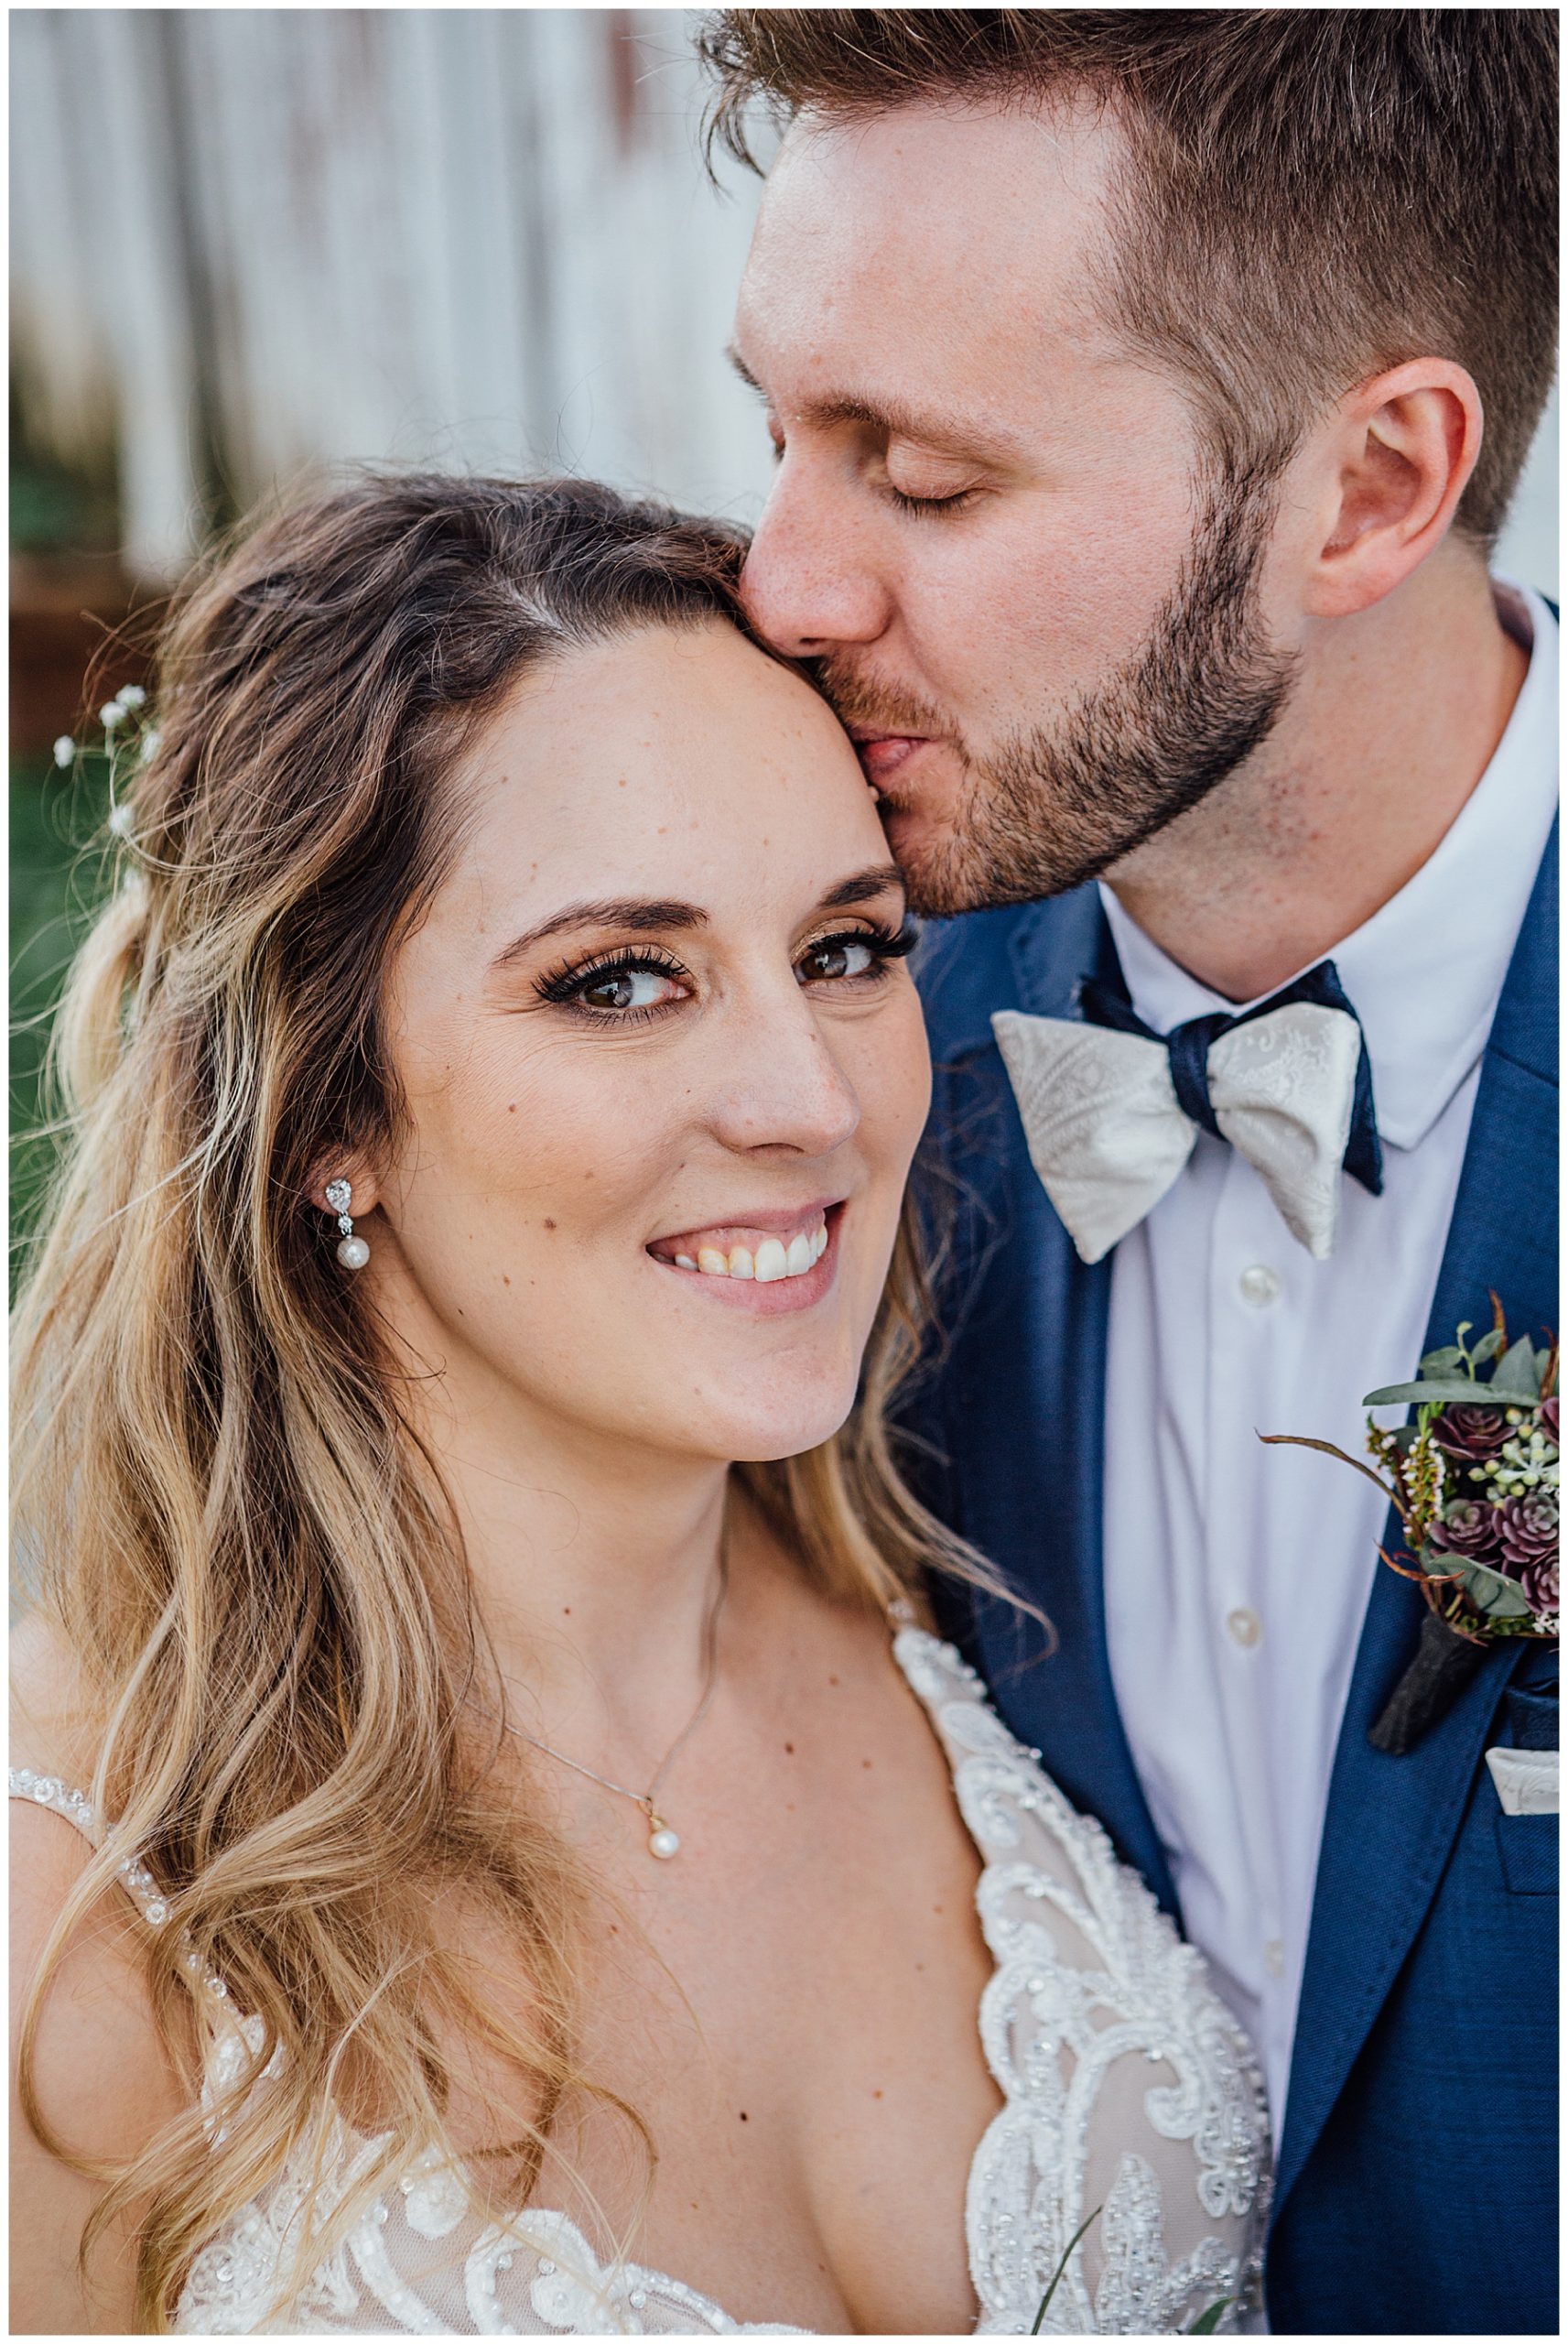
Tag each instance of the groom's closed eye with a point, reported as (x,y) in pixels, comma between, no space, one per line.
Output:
(972,441)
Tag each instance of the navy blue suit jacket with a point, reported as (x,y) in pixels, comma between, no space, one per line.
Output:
(1416,2188)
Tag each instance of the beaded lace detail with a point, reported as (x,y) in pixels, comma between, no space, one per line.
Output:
(1128,2087)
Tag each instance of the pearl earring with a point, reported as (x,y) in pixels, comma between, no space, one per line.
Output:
(352,1252)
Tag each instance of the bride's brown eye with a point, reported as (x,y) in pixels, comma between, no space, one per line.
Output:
(839,956)
(634,985)
(857,954)
(617,990)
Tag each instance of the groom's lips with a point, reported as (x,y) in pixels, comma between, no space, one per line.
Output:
(883,753)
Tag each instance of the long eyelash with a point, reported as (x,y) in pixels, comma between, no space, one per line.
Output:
(564,985)
(887,943)
(931,503)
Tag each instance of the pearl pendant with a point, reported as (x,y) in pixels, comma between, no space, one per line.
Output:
(661,1841)
(354,1253)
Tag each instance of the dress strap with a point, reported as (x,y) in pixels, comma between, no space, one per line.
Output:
(48,1790)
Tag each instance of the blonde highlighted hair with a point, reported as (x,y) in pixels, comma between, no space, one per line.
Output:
(222,1510)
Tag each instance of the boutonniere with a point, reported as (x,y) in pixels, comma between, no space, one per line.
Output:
(1473,1480)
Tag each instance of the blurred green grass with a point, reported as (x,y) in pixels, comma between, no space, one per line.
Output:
(58,866)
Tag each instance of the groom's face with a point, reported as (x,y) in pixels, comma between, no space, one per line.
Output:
(995,532)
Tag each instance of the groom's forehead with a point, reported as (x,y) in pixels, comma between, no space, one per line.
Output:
(939,222)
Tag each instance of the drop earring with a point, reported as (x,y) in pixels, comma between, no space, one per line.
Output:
(352,1252)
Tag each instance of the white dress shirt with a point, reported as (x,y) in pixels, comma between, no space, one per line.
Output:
(1237,1575)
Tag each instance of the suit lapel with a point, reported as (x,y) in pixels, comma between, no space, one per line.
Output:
(1391,1822)
(1066,1704)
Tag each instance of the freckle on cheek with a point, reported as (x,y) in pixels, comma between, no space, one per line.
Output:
(505,1279)
(549,1225)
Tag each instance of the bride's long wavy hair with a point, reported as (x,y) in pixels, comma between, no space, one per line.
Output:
(221,1508)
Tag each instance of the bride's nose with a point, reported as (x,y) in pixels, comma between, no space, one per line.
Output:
(775,1082)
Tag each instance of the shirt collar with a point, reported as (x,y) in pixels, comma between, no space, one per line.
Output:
(1425,971)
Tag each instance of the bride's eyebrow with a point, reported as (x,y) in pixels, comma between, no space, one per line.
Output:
(863,888)
(642,915)
(649,915)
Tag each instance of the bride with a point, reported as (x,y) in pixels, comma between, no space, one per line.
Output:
(495,1829)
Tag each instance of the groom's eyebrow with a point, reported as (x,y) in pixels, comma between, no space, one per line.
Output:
(930,427)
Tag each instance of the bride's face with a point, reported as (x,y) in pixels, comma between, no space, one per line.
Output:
(649,1038)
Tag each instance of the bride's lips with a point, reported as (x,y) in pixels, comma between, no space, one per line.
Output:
(772,1298)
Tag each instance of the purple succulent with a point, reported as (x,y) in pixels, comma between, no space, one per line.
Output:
(1527,1530)
(1471,1432)
(1469,1528)
(1538,1585)
(1549,1411)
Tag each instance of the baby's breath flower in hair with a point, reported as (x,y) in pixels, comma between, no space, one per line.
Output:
(110,714)
(64,751)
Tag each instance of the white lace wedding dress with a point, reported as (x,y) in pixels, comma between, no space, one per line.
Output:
(1127,2086)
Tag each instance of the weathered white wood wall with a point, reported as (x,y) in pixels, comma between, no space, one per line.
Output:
(478,236)
(482,236)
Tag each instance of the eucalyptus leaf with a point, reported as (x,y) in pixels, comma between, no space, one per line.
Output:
(1490,1344)
(1493,1592)
(1517,1375)
(1449,1356)
(1438,1391)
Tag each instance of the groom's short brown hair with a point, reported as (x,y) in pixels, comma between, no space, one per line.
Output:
(1315,193)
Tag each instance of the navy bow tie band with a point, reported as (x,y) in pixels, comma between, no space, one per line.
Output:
(1188,1047)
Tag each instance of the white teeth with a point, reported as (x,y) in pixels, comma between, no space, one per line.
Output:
(773,1259)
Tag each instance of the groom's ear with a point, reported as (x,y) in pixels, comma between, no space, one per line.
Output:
(1391,464)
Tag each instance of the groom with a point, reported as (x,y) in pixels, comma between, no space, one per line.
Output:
(1148,389)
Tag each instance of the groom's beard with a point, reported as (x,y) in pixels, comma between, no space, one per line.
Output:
(1050,808)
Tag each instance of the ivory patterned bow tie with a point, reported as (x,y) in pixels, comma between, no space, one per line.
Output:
(1112,1109)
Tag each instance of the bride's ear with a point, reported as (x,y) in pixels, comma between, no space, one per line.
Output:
(1393,462)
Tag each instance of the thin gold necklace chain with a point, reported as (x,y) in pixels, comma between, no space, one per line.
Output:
(661,1841)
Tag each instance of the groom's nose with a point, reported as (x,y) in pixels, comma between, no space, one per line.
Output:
(810,582)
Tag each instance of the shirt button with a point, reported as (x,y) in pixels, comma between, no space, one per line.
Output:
(1259,1286)
(1274,1958)
(1246,1628)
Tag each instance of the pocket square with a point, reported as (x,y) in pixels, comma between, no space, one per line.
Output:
(1526,1780)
